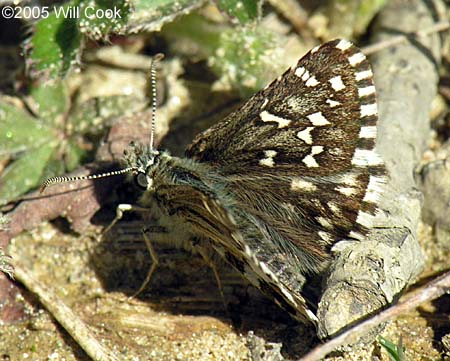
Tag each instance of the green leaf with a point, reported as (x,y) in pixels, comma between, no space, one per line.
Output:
(250,69)
(24,173)
(99,18)
(74,156)
(241,11)
(51,100)
(55,44)
(151,15)
(366,12)
(196,29)
(19,131)
(395,352)
(91,116)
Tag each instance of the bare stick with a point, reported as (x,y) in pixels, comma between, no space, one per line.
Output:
(73,324)
(432,290)
(441,26)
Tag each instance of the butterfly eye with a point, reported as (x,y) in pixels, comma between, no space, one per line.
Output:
(141,180)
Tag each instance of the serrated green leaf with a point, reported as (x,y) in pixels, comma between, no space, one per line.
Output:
(24,173)
(55,44)
(241,10)
(99,18)
(19,131)
(51,100)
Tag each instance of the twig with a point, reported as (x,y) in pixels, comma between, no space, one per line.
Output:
(432,290)
(297,16)
(65,316)
(440,26)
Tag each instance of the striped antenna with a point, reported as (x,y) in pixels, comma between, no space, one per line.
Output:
(158,57)
(63,179)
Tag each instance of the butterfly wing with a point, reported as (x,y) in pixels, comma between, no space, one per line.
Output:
(305,143)
(296,171)
(204,204)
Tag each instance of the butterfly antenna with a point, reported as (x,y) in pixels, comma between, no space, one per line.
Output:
(158,57)
(63,179)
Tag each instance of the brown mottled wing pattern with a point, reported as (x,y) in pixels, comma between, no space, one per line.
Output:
(298,160)
(306,142)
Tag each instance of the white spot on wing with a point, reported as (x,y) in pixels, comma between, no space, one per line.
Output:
(361,75)
(325,236)
(324,222)
(313,50)
(309,160)
(368,132)
(356,59)
(374,189)
(299,184)
(332,103)
(264,103)
(343,45)
(268,117)
(299,71)
(317,119)
(347,179)
(268,161)
(362,92)
(305,76)
(334,208)
(347,191)
(312,81)
(337,83)
(316,149)
(368,109)
(305,135)
(364,157)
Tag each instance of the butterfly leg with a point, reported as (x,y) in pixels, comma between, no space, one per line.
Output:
(121,208)
(208,259)
(155,262)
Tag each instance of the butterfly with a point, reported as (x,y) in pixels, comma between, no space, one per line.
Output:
(273,186)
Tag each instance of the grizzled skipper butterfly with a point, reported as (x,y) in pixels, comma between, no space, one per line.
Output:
(273,186)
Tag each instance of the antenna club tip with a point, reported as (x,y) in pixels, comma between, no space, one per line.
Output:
(42,188)
(158,57)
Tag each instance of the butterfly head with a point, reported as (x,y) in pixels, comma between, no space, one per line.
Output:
(142,160)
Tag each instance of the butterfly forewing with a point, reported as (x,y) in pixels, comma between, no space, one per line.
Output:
(313,128)
(309,118)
